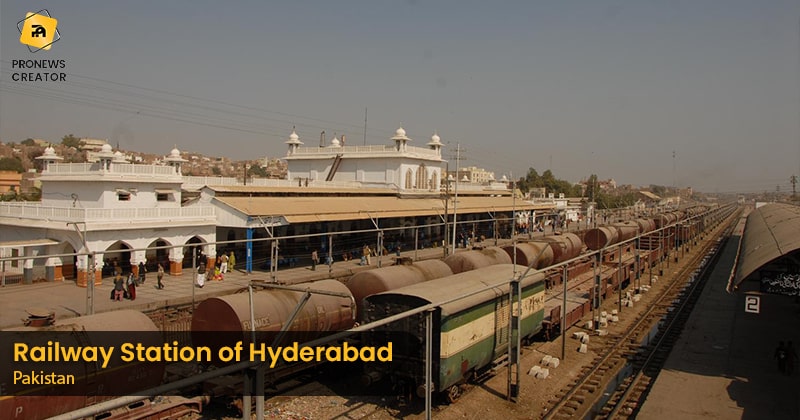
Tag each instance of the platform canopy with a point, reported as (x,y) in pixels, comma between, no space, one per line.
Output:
(772,232)
(317,209)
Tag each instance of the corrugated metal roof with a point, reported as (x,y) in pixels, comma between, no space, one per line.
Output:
(305,190)
(772,231)
(313,209)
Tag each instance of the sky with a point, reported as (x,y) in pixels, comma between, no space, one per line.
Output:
(606,87)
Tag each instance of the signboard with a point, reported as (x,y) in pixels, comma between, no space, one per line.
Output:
(752,304)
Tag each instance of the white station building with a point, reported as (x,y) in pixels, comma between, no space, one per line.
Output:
(109,207)
(136,212)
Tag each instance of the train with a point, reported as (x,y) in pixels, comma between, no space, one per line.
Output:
(469,334)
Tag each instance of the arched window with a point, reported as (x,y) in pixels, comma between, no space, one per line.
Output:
(422,176)
(409,179)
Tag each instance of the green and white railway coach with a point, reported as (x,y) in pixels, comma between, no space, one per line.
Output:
(468,335)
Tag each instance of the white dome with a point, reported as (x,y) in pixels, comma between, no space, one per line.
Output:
(106,148)
(435,138)
(400,132)
(175,152)
(49,151)
(294,136)
(335,142)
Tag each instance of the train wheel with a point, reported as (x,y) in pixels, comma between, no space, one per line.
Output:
(453,393)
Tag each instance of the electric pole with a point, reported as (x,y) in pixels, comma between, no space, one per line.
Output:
(793,180)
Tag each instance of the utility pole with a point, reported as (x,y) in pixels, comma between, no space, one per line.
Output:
(455,200)
(793,180)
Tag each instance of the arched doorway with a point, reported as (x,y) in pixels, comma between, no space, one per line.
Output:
(119,253)
(195,243)
(158,255)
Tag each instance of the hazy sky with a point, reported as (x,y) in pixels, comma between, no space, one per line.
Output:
(580,87)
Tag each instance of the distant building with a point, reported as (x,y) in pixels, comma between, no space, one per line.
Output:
(473,175)
(10,181)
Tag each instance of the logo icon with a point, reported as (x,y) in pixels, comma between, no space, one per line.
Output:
(38,30)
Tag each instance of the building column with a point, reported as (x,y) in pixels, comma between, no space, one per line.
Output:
(176,261)
(136,258)
(84,269)
(52,269)
(211,258)
(249,261)
(27,265)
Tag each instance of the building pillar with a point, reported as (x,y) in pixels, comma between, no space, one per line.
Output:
(52,268)
(136,258)
(176,261)
(211,258)
(27,265)
(83,272)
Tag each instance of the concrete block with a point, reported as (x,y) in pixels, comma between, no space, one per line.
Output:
(637,298)
(554,362)
(585,339)
(542,374)
(601,332)
(546,360)
(603,314)
(583,348)
(588,325)
(614,318)
(534,370)
(629,303)
(613,312)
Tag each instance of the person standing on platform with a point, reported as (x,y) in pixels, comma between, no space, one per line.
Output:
(119,287)
(142,271)
(160,276)
(131,286)
(232,261)
(367,254)
(223,264)
(314,260)
(201,275)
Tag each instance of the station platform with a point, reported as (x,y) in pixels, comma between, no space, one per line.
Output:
(66,300)
(724,364)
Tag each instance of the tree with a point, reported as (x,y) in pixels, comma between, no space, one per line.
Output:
(28,142)
(257,170)
(71,141)
(11,164)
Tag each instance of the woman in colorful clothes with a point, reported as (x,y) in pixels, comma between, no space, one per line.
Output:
(131,286)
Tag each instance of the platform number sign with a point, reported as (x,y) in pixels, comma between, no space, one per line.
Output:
(752,304)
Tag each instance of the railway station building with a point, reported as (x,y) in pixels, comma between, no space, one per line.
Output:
(388,195)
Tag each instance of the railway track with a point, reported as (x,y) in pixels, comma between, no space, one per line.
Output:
(621,354)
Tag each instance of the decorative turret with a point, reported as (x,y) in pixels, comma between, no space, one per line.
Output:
(174,159)
(49,157)
(335,142)
(293,142)
(105,157)
(401,139)
(436,143)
